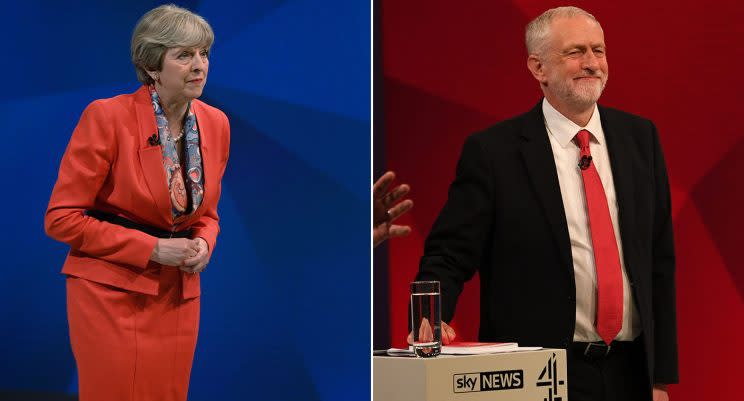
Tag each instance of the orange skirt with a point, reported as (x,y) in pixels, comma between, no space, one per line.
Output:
(130,346)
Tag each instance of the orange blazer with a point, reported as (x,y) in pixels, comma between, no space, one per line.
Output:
(109,165)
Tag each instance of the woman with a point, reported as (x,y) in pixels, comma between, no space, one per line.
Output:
(136,200)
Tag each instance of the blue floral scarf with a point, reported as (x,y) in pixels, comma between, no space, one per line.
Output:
(182,188)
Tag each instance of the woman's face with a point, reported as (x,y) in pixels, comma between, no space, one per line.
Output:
(184,73)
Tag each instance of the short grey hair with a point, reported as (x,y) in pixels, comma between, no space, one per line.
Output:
(538,30)
(165,27)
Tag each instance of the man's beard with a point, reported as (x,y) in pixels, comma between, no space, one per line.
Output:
(579,93)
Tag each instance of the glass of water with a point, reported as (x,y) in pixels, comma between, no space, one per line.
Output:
(426,318)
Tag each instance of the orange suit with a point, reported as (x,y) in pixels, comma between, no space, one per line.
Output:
(114,291)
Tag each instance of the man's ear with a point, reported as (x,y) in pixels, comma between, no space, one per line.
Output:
(536,67)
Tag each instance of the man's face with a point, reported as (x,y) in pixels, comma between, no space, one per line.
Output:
(574,62)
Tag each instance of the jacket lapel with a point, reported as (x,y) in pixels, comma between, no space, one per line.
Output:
(540,167)
(205,130)
(619,147)
(151,156)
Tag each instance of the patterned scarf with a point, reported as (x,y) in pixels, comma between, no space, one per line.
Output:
(171,162)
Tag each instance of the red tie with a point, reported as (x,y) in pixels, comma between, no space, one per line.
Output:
(606,256)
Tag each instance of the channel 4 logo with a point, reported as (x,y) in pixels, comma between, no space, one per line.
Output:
(488,381)
(549,378)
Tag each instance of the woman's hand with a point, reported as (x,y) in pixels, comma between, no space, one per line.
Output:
(174,251)
(198,262)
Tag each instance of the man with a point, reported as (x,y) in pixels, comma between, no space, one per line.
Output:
(385,209)
(565,212)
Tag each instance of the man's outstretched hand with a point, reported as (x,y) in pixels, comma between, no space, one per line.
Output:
(386,209)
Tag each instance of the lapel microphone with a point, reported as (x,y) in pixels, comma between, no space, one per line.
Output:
(154,140)
(585,162)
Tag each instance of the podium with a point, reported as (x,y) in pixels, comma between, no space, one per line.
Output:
(514,376)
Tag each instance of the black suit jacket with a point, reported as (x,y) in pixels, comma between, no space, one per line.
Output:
(504,217)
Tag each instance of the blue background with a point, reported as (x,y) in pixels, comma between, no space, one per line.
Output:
(285,305)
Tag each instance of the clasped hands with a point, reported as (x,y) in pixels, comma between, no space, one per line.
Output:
(189,255)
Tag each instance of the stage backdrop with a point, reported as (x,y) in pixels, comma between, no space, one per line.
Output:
(451,68)
(286,300)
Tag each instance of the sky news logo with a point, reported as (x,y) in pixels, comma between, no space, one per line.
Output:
(488,381)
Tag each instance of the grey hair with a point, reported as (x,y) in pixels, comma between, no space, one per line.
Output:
(538,30)
(162,28)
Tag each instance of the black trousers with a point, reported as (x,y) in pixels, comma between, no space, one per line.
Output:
(621,375)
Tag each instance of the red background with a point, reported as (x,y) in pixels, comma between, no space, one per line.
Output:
(451,68)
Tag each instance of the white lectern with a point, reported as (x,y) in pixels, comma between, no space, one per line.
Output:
(514,376)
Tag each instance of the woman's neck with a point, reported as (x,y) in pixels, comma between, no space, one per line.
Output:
(173,108)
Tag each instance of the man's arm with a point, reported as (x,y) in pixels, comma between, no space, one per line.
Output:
(663,282)
(454,247)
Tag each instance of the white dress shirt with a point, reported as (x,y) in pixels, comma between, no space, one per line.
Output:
(561,132)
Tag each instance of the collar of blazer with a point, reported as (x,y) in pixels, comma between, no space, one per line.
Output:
(151,156)
(540,167)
